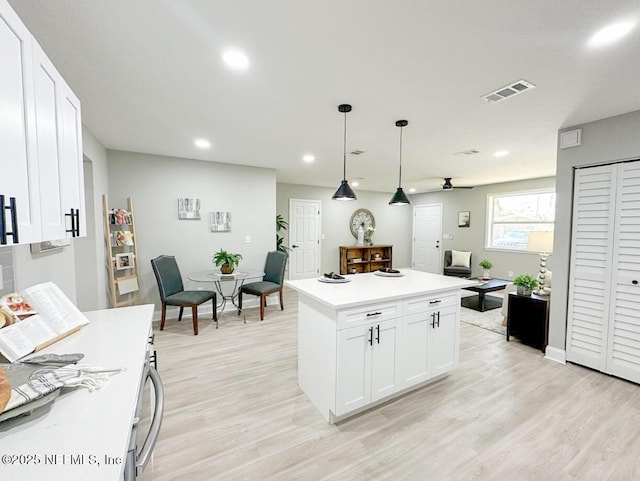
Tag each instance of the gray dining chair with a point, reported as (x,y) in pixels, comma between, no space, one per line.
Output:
(273,281)
(172,291)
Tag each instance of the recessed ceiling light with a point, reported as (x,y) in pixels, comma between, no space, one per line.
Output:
(308,158)
(202,143)
(610,34)
(501,153)
(235,59)
(412,190)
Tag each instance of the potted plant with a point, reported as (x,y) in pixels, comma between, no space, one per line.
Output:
(525,284)
(226,261)
(486,265)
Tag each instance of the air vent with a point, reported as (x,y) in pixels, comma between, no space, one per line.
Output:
(468,152)
(357,152)
(509,91)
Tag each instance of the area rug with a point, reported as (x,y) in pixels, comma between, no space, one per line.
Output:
(490,320)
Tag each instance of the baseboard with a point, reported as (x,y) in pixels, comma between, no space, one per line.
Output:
(555,354)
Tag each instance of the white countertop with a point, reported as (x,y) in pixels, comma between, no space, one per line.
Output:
(80,422)
(369,288)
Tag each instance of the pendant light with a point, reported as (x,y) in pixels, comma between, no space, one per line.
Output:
(400,198)
(344,192)
(447,184)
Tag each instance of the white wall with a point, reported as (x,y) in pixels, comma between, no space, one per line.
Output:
(393,223)
(472,238)
(603,141)
(155,183)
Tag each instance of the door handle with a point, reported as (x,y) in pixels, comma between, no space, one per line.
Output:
(433,320)
(371,336)
(294,246)
(438,318)
(378,333)
(634,282)
(13,211)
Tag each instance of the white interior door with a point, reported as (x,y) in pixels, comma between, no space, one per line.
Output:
(304,238)
(427,232)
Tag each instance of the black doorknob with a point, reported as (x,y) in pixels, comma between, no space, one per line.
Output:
(294,246)
(634,282)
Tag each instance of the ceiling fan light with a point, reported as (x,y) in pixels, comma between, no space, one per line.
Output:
(399,198)
(344,192)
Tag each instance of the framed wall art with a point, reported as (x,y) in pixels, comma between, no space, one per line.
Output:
(124,261)
(464,218)
(188,208)
(220,221)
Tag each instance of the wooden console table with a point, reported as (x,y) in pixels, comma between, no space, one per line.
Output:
(358,259)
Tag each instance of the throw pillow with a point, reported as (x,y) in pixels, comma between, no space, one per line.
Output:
(460,259)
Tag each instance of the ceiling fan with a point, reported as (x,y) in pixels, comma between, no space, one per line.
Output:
(449,186)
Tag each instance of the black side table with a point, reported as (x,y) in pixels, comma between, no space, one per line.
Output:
(528,319)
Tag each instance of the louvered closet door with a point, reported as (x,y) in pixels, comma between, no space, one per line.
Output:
(623,354)
(591,259)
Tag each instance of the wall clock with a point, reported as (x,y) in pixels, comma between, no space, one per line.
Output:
(361,217)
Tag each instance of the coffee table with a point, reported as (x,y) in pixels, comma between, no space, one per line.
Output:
(479,302)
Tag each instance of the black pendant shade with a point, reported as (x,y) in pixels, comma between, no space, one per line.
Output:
(447,184)
(344,192)
(400,198)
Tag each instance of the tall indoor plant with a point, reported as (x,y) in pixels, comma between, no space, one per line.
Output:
(281,224)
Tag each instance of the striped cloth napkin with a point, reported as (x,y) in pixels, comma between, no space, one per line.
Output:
(45,381)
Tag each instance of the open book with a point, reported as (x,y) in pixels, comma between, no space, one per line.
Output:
(35,318)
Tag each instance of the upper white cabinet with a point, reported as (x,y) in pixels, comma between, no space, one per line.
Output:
(20,217)
(40,142)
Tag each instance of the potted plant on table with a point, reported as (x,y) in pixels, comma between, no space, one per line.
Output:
(525,284)
(226,261)
(486,265)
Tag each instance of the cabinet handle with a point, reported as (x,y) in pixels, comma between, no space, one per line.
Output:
(14,221)
(438,318)
(433,320)
(369,314)
(75,222)
(371,336)
(435,302)
(378,333)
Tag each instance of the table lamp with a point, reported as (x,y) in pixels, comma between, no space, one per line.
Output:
(542,242)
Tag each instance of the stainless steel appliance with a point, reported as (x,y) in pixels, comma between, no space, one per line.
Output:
(148,419)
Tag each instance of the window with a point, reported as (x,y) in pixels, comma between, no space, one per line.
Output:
(512,216)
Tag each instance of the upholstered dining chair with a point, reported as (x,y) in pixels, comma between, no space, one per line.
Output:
(273,281)
(172,291)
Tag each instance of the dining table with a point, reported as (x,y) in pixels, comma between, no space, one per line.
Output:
(227,285)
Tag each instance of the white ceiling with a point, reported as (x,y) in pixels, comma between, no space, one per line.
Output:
(150,78)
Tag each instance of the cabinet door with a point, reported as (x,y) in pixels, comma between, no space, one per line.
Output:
(623,350)
(46,86)
(71,170)
(18,163)
(384,360)
(353,369)
(591,260)
(444,341)
(414,348)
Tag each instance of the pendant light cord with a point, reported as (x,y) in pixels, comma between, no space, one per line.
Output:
(344,150)
(400,170)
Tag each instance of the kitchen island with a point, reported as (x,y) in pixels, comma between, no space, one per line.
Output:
(371,339)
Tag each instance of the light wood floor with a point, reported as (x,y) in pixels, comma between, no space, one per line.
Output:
(234,412)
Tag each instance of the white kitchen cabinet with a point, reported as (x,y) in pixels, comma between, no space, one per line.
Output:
(603,329)
(40,142)
(19,216)
(367,365)
(374,338)
(430,339)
